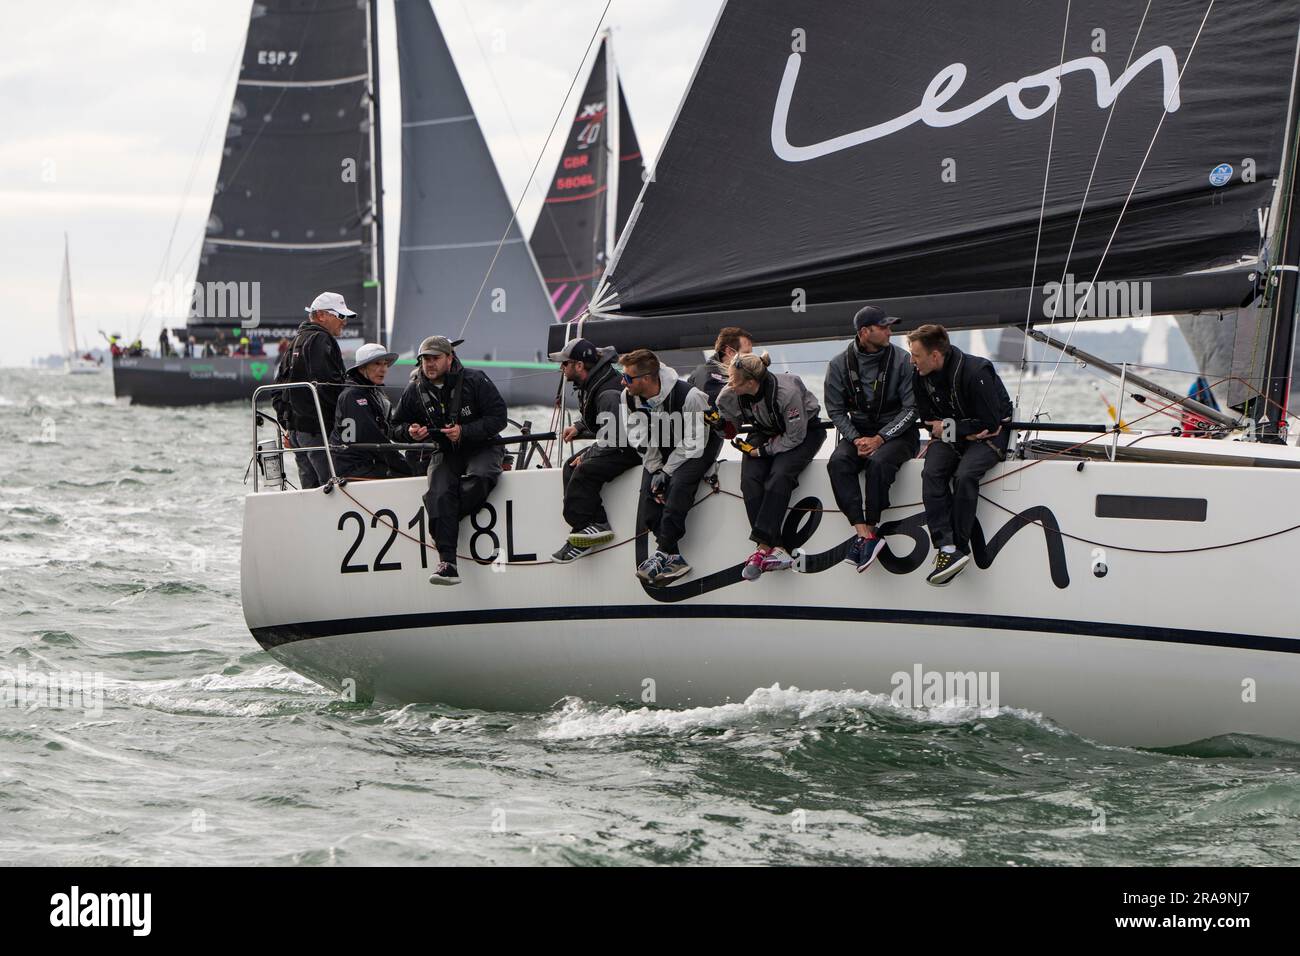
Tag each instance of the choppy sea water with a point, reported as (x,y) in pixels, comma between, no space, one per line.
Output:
(119,578)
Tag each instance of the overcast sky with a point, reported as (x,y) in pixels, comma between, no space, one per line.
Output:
(106,104)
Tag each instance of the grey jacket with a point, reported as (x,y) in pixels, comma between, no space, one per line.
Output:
(889,414)
(781,411)
(694,434)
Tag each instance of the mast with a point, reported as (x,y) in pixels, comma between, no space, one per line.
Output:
(612,147)
(376,281)
(1271,409)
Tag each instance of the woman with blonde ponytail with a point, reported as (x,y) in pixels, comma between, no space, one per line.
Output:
(780,413)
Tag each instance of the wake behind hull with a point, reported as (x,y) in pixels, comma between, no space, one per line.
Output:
(1158,651)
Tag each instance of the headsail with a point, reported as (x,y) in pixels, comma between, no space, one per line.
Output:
(571,234)
(292,213)
(840,150)
(454,212)
(631,165)
(67,320)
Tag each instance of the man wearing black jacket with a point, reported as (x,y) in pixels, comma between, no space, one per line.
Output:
(869,398)
(964,404)
(313,356)
(461,411)
(361,418)
(599,384)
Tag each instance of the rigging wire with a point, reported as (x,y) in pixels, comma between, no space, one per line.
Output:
(515,213)
(1127,199)
(1078,222)
(1042,206)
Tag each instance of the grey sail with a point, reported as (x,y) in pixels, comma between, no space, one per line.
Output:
(454,212)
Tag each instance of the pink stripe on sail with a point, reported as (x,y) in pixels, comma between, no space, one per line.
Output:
(563,310)
(559,290)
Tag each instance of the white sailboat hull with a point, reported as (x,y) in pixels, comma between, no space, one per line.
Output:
(1162,649)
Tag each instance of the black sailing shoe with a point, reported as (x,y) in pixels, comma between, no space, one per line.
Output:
(568,553)
(947,565)
(445,573)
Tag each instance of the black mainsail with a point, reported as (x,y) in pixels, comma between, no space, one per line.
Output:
(591,195)
(293,212)
(455,213)
(631,165)
(836,152)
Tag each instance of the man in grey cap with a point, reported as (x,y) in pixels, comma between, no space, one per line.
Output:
(314,356)
(869,397)
(461,411)
(598,381)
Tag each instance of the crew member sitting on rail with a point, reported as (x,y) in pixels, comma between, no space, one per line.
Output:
(666,424)
(869,398)
(964,404)
(461,411)
(596,378)
(313,357)
(779,410)
(361,418)
(711,376)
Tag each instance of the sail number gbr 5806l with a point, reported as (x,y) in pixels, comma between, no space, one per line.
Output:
(383,527)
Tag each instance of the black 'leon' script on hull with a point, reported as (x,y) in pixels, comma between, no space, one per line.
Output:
(805,517)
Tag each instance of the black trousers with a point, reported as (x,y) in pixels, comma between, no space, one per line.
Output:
(459,483)
(667,522)
(881,467)
(950,488)
(768,483)
(313,467)
(585,475)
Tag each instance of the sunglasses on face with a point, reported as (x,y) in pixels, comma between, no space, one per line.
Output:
(629,379)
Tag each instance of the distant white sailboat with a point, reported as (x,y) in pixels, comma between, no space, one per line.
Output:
(1155,349)
(77,363)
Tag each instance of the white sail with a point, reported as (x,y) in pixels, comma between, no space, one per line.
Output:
(1155,350)
(67,321)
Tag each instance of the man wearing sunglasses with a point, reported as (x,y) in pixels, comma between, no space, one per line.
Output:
(313,356)
(666,424)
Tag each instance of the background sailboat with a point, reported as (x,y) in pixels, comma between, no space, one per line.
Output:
(72,352)
(296,210)
(592,193)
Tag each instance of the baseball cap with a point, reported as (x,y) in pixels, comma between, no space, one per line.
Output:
(576,350)
(329,302)
(437,345)
(870,315)
(371,352)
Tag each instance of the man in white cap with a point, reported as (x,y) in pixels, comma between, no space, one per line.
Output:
(361,417)
(461,411)
(314,356)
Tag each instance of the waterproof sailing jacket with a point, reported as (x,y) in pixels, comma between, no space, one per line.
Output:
(968,390)
(466,397)
(711,376)
(361,417)
(601,396)
(780,412)
(881,402)
(673,427)
(314,356)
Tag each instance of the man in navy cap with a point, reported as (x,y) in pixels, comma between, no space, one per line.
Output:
(869,397)
(599,386)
